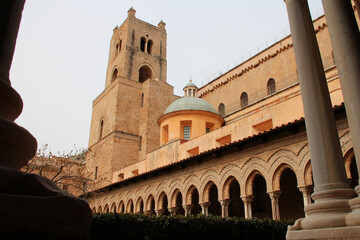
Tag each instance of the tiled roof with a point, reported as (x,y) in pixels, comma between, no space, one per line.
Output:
(213,153)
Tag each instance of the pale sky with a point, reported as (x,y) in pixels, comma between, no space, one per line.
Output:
(61,55)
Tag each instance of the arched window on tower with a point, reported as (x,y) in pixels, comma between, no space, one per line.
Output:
(271,86)
(101,128)
(144,74)
(244,99)
(149,46)
(114,75)
(221,109)
(142,44)
(120,45)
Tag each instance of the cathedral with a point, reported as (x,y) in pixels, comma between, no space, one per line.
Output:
(236,146)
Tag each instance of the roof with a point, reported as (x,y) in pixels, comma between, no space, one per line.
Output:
(190,84)
(239,145)
(190,103)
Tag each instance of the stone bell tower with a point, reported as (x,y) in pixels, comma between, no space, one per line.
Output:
(123,125)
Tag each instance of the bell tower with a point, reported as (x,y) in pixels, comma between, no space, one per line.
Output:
(124,118)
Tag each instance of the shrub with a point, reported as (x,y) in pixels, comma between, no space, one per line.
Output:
(138,226)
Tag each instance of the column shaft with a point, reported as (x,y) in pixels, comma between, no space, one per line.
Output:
(345,40)
(326,157)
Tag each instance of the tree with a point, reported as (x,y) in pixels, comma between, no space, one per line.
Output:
(67,170)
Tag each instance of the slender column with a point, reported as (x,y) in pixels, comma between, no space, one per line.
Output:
(188,209)
(306,192)
(345,39)
(205,208)
(274,196)
(247,205)
(225,207)
(331,191)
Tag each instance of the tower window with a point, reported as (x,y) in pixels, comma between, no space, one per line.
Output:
(189,92)
(149,46)
(271,86)
(144,74)
(142,100)
(120,43)
(221,109)
(187,130)
(207,130)
(140,142)
(244,99)
(117,49)
(114,75)
(142,44)
(193,93)
(101,128)
(96,172)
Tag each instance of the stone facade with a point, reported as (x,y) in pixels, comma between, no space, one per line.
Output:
(257,164)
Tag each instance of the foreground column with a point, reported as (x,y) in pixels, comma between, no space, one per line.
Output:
(33,207)
(331,191)
(345,39)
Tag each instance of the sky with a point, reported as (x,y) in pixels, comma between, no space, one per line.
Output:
(62,49)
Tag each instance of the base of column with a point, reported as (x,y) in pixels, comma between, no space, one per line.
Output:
(35,208)
(353,218)
(352,232)
(329,211)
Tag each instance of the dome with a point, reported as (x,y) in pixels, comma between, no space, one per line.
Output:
(190,103)
(190,84)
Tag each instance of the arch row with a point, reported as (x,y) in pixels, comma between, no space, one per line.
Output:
(235,182)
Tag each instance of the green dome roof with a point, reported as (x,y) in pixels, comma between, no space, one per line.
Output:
(190,103)
(190,84)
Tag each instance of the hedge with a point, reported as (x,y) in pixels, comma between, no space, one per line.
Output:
(149,227)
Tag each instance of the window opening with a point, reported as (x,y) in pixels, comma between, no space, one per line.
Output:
(114,75)
(244,99)
(142,99)
(207,130)
(101,129)
(142,44)
(271,86)
(187,132)
(140,142)
(96,172)
(149,46)
(221,109)
(144,73)
(189,92)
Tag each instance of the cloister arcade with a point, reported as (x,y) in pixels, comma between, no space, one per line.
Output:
(278,187)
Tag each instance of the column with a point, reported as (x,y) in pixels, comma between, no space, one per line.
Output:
(188,209)
(247,205)
(274,196)
(159,212)
(306,192)
(345,39)
(17,147)
(331,191)
(225,207)
(173,210)
(205,208)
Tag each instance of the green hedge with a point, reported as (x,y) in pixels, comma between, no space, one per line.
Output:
(137,226)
